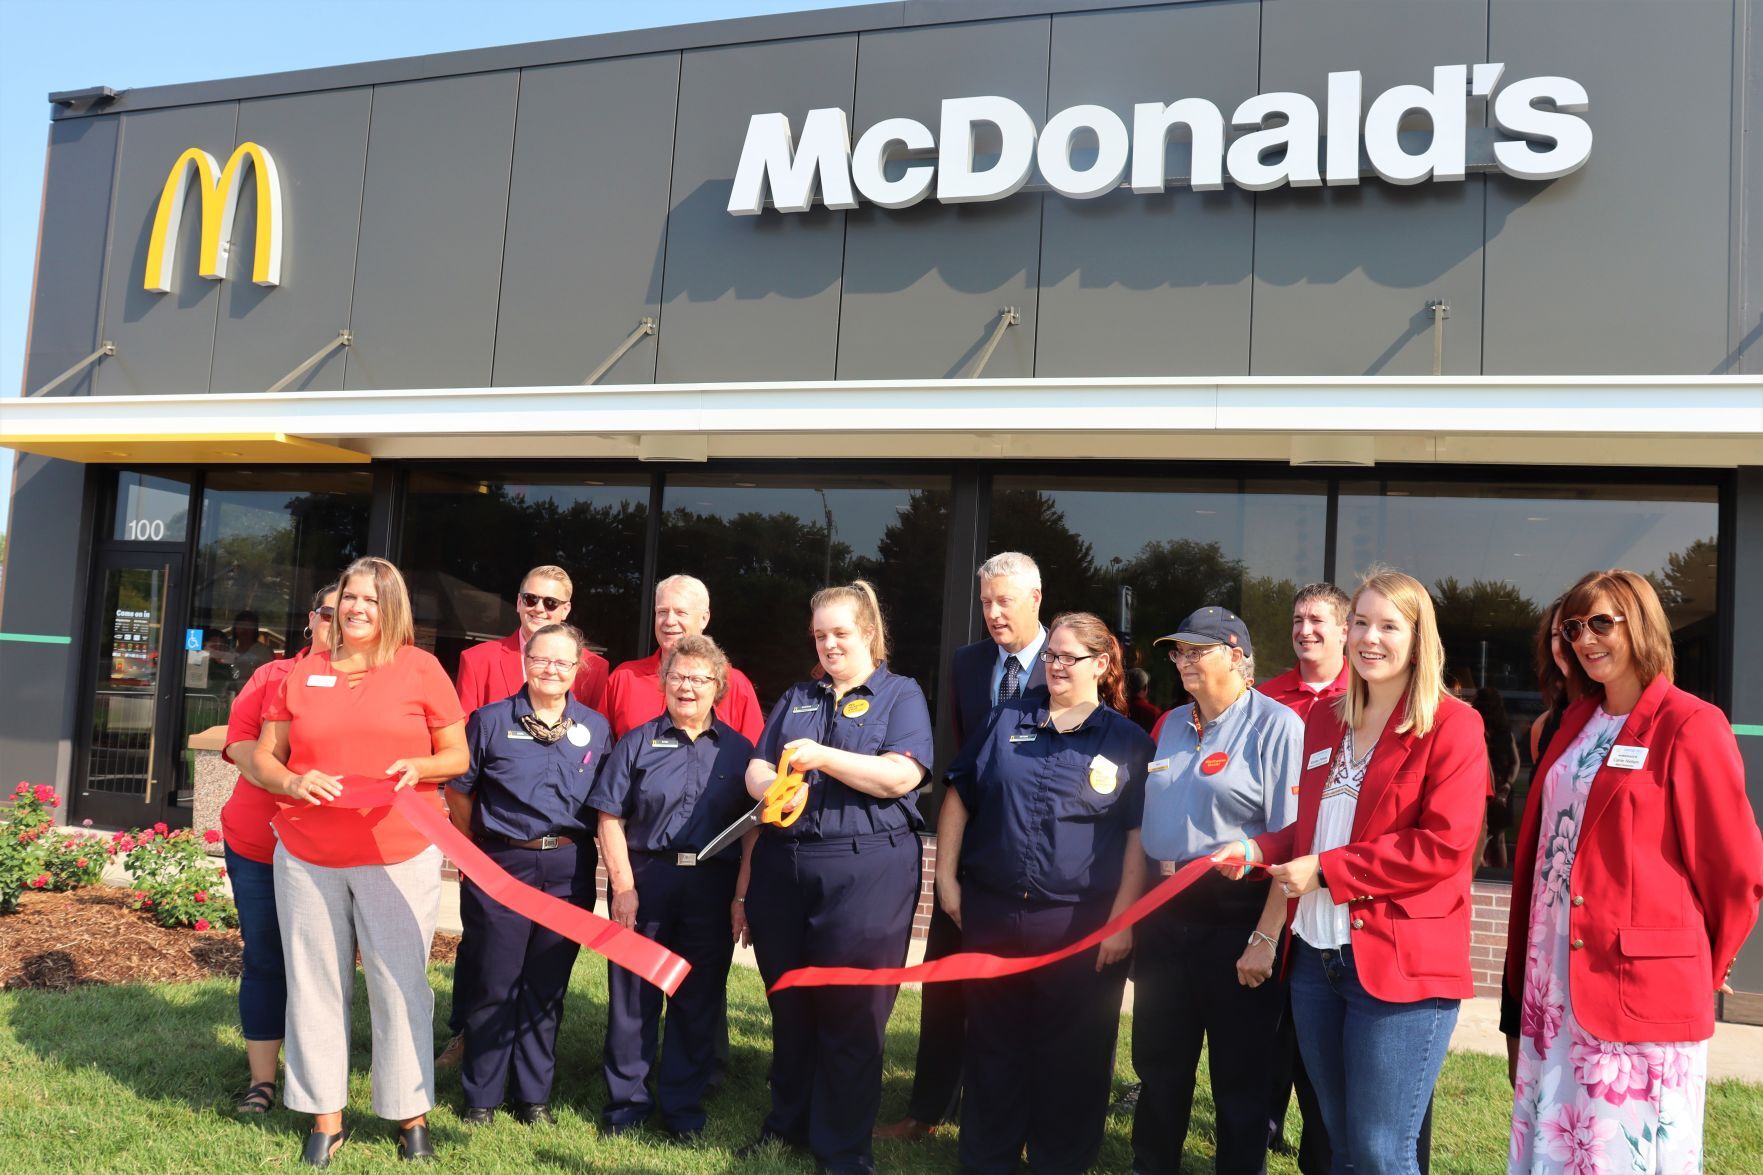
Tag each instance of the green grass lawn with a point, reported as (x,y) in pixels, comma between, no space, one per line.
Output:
(142,1079)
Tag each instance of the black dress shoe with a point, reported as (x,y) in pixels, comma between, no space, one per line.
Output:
(320,1147)
(414,1144)
(534,1114)
(477,1115)
(682,1137)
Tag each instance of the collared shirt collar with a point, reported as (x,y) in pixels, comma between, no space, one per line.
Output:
(1225,715)
(666,726)
(880,675)
(1026,655)
(1042,716)
(573,708)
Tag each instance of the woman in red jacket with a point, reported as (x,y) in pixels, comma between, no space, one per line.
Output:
(1637,876)
(1390,803)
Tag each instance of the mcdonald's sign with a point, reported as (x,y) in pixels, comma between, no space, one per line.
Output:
(219,189)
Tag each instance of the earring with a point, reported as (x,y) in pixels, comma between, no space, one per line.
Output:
(308,632)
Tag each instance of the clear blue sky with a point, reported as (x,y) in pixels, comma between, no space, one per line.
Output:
(131,43)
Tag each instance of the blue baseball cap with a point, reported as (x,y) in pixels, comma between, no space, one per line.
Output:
(1212,626)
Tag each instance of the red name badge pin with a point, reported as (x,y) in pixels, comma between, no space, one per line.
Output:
(1214,763)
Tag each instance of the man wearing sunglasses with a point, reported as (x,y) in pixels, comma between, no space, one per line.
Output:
(495,670)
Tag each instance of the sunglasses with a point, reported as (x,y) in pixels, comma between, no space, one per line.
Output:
(551,603)
(325,613)
(1600,624)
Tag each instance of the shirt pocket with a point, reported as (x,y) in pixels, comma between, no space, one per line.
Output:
(863,736)
(1425,927)
(1663,973)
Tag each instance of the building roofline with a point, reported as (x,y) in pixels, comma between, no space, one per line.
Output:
(787,26)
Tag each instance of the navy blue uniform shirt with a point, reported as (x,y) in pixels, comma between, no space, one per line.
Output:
(525,789)
(673,792)
(1049,813)
(886,713)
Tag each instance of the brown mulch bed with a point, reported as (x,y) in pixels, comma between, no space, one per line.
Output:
(57,941)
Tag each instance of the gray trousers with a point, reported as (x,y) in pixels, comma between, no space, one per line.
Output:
(389,911)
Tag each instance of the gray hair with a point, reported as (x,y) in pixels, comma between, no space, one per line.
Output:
(1012,565)
(687,583)
(1245,668)
(698,648)
(567,631)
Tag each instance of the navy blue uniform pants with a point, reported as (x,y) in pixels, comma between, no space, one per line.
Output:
(519,974)
(845,903)
(686,910)
(1185,993)
(942,1030)
(1040,1046)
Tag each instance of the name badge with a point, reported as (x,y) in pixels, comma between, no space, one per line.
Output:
(856,708)
(522,735)
(808,709)
(321,680)
(664,744)
(579,736)
(1156,765)
(1627,758)
(1104,775)
(1319,758)
(1027,737)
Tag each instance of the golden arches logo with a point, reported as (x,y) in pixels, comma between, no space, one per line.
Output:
(219,191)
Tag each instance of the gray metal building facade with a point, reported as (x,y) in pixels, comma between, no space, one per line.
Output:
(504,218)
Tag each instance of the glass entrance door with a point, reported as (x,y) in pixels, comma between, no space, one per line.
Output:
(131,751)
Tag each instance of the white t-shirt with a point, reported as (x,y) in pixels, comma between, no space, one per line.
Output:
(1322,921)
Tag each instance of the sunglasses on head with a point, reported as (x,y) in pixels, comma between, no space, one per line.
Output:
(551,603)
(1601,624)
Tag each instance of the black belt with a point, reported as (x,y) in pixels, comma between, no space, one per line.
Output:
(554,840)
(682,860)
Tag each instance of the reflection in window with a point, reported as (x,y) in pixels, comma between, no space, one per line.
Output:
(269,539)
(151,508)
(765,544)
(1142,554)
(1495,555)
(468,540)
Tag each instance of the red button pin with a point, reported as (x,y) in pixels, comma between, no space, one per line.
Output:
(1214,763)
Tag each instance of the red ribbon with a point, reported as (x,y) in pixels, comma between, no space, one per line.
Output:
(974,965)
(642,956)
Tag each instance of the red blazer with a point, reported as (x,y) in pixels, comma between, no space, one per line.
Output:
(1405,873)
(493,670)
(1667,876)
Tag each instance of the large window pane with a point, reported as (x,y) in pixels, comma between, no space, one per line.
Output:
(151,507)
(469,538)
(269,539)
(1143,553)
(1496,554)
(765,544)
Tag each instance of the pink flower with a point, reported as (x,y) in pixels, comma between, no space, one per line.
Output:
(146,836)
(201,895)
(140,895)
(162,828)
(86,823)
(212,836)
(39,881)
(1613,1071)
(45,794)
(1576,1139)
(1675,1067)
(126,844)
(23,789)
(80,863)
(222,872)
(201,924)
(146,902)
(1544,1008)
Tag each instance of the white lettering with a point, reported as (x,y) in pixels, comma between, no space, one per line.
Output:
(1151,124)
(1444,106)
(869,160)
(1296,135)
(957,181)
(1113,145)
(1346,98)
(1516,113)
(770,158)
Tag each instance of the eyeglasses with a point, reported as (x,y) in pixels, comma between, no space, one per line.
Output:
(695,680)
(1191,656)
(556,663)
(1063,660)
(1601,625)
(551,603)
(325,613)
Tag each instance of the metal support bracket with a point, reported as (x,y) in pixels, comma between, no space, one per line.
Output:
(104,351)
(1440,312)
(1007,318)
(645,326)
(345,338)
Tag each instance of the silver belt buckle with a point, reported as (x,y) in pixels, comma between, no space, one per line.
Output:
(685,860)
(547,842)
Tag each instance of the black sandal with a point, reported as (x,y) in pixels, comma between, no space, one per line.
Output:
(322,1148)
(259,1099)
(414,1144)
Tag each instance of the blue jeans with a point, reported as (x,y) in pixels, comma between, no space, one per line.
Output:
(263,988)
(1373,1062)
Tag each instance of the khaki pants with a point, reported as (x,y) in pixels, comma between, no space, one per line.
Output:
(390,912)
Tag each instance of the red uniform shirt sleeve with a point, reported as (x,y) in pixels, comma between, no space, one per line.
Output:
(440,701)
(275,706)
(744,713)
(590,682)
(1716,832)
(1404,861)
(245,720)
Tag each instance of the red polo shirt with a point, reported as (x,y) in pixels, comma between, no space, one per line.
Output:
(633,696)
(1289,688)
(494,670)
(361,729)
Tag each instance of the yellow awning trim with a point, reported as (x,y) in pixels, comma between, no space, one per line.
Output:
(261,448)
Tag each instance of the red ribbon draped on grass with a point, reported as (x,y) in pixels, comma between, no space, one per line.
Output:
(974,965)
(642,956)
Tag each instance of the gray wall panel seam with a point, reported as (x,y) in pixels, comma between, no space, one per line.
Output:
(122,130)
(219,295)
(373,93)
(1735,202)
(679,85)
(845,217)
(1481,351)
(507,212)
(1034,346)
(1255,200)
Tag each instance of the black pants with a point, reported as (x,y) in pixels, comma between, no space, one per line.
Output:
(1185,992)
(942,1032)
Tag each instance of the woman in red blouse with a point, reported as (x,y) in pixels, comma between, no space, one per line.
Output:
(375,705)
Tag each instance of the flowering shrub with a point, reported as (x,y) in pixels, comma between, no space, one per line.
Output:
(173,880)
(34,856)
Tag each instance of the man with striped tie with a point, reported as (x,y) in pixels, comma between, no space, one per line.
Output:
(1006,664)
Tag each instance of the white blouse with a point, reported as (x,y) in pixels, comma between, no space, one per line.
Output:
(1321,921)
